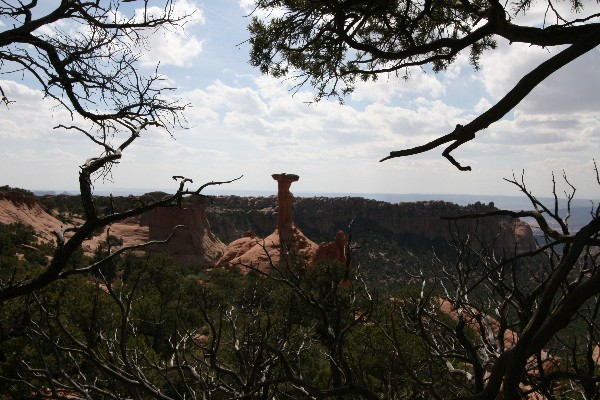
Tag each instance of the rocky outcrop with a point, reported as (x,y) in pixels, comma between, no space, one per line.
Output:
(285,217)
(16,207)
(286,229)
(414,224)
(191,244)
(284,245)
(263,254)
(334,250)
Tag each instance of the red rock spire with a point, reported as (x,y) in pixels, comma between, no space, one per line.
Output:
(285,218)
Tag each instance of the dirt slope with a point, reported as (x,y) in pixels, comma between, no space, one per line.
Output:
(20,208)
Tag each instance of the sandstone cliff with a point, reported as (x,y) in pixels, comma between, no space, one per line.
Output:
(20,208)
(194,245)
(417,224)
(16,207)
(404,225)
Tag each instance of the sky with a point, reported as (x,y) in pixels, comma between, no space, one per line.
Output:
(243,123)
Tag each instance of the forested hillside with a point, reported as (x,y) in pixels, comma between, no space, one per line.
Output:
(400,318)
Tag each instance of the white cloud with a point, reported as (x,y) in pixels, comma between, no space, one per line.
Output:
(559,132)
(482,106)
(249,8)
(260,130)
(172,45)
(457,69)
(555,127)
(38,168)
(173,49)
(55,154)
(572,88)
(240,123)
(242,100)
(540,15)
(387,88)
(247,5)
(29,116)
(276,125)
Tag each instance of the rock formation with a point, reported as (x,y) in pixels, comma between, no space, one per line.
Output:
(413,224)
(264,254)
(20,208)
(334,250)
(16,207)
(285,199)
(193,245)
(285,244)
(285,217)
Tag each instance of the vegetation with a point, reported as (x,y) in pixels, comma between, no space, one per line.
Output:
(479,325)
(17,239)
(137,328)
(331,43)
(94,76)
(7,188)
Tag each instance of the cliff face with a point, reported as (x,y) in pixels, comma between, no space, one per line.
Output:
(20,208)
(232,216)
(192,245)
(409,225)
(320,218)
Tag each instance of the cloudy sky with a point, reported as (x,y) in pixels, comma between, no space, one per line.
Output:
(242,123)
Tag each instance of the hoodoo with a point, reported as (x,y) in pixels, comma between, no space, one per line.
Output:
(287,240)
(285,199)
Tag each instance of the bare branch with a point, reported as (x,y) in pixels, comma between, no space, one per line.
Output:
(121,250)
(463,134)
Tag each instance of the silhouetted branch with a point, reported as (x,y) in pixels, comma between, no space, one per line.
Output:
(121,250)
(463,134)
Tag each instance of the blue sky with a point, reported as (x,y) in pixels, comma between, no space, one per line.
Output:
(241,122)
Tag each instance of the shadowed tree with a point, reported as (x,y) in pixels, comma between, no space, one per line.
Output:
(84,55)
(331,43)
(514,327)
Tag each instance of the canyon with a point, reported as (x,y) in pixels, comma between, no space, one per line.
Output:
(320,218)
(227,230)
